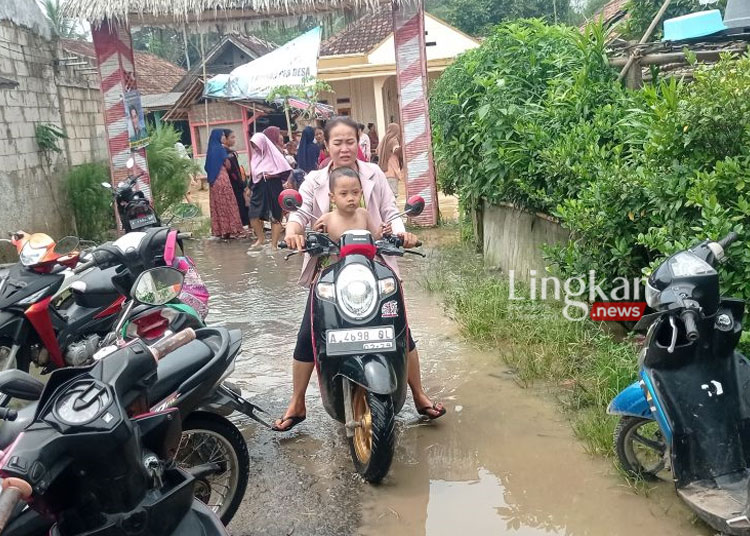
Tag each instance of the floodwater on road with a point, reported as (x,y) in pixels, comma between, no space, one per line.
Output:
(502,461)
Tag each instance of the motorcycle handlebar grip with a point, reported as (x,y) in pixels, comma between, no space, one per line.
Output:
(170,344)
(282,245)
(14,489)
(183,236)
(728,240)
(691,327)
(7,414)
(83,267)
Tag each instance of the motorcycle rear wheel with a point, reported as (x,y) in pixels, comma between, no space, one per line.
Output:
(373,443)
(209,438)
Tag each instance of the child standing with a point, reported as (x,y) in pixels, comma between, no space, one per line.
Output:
(347,212)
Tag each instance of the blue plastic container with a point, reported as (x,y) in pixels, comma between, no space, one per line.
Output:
(694,25)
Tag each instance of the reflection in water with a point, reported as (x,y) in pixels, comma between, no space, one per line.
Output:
(489,512)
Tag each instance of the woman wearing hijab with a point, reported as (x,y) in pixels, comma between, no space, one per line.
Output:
(308,151)
(269,170)
(225,218)
(236,175)
(390,158)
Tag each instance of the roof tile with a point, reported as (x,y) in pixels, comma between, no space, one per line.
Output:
(360,36)
(157,75)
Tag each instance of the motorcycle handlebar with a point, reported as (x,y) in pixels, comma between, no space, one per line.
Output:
(7,414)
(170,344)
(728,240)
(282,245)
(691,327)
(14,489)
(183,236)
(83,267)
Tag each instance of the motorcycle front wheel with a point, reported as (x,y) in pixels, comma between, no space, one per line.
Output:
(373,442)
(640,447)
(208,438)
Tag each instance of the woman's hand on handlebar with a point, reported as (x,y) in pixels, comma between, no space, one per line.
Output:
(410,240)
(295,241)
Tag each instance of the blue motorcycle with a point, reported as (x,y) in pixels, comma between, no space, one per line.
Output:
(690,409)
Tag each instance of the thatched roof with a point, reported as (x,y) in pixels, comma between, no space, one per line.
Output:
(178,12)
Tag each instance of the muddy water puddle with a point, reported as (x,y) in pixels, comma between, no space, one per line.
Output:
(503,461)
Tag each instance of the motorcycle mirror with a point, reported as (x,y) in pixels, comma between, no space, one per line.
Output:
(106,185)
(130,164)
(290,200)
(158,286)
(66,244)
(414,206)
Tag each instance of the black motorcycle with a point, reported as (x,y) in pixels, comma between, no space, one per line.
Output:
(98,466)
(360,338)
(133,209)
(694,384)
(191,379)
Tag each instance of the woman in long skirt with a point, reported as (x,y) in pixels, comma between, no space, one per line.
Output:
(225,216)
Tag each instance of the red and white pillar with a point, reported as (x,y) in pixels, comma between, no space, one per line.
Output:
(114,57)
(411,69)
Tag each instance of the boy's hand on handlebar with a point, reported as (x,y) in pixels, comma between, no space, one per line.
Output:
(410,240)
(295,241)
(386,229)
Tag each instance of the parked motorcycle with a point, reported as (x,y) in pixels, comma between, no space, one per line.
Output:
(94,464)
(191,379)
(53,328)
(360,338)
(693,387)
(133,209)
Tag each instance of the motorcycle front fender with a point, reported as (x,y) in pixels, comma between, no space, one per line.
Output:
(630,402)
(374,372)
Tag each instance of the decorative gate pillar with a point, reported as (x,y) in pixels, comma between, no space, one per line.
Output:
(114,57)
(411,69)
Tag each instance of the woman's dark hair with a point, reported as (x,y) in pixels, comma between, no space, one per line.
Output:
(334,175)
(340,120)
(227,132)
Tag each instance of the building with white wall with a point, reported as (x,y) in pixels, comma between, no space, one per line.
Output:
(360,65)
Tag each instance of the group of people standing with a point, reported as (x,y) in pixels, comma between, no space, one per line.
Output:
(242,201)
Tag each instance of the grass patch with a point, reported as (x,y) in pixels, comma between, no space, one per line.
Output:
(585,365)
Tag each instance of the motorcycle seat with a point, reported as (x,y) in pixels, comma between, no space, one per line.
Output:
(9,430)
(100,292)
(178,366)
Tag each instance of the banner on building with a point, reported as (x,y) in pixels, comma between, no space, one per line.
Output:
(289,65)
(137,132)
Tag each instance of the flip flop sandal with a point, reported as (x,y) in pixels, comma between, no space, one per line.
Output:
(423,412)
(296,419)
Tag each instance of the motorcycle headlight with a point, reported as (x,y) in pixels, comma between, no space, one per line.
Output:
(357,291)
(30,255)
(652,296)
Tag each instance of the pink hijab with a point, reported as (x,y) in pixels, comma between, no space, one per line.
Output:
(267,159)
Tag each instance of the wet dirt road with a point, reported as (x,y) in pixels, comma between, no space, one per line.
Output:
(503,461)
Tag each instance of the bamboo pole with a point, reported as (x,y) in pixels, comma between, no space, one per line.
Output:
(645,38)
(187,48)
(205,100)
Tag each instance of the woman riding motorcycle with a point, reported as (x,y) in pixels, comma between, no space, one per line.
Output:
(341,137)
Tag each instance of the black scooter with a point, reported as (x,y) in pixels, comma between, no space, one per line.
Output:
(95,465)
(696,386)
(360,338)
(134,210)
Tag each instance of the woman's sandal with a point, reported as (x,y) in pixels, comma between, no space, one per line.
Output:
(296,419)
(423,412)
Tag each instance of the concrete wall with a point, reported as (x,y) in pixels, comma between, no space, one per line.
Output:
(513,239)
(31,195)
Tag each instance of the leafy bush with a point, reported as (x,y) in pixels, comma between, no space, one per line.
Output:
(535,116)
(90,202)
(170,172)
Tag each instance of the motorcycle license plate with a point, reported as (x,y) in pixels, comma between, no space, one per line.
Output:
(142,222)
(360,341)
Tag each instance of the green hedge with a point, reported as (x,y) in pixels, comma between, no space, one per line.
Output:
(536,117)
(91,203)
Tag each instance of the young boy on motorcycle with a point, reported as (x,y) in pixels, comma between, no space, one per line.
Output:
(347,212)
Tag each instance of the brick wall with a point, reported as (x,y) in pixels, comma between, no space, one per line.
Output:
(31,193)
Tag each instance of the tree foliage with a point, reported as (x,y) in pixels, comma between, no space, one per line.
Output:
(536,117)
(62,26)
(91,204)
(170,172)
